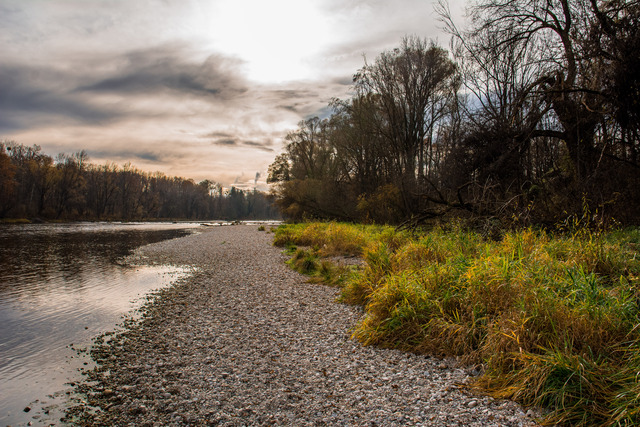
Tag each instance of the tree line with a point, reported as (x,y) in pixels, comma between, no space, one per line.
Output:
(531,116)
(69,187)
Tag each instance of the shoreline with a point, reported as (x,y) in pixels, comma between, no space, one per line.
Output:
(246,341)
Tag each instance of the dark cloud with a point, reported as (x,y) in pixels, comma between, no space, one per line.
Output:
(258,145)
(292,108)
(171,68)
(146,155)
(225,142)
(119,154)
(302,101)
(9,123)
(217,135)
(31,96)
(231,142)
(302,93)
(343,81)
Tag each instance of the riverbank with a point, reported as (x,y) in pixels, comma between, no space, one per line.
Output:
(552,318)
(246,341)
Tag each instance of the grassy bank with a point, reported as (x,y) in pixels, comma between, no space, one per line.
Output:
(554,320)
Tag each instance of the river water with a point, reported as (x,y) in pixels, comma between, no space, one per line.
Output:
(61,285)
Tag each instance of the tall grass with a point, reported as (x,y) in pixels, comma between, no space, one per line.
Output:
(555,320)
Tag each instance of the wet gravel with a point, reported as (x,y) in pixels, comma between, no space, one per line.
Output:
(246,341)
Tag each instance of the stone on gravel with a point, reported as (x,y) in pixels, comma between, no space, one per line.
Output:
(246,341)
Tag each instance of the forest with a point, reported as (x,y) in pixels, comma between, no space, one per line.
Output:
(530,117)
(35,185)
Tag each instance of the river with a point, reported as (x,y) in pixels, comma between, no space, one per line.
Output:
(61,285)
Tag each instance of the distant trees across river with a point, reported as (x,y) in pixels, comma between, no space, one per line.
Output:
(68,187)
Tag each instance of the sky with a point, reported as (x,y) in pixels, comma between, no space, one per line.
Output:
(201,89)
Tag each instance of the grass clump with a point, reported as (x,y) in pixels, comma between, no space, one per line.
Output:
(554,319)
(306,262)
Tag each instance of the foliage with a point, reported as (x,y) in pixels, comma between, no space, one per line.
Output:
(552,318)
(34,185)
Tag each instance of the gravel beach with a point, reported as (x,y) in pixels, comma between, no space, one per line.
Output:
(246,341)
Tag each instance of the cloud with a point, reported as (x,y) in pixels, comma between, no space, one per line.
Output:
(217,134)
(108,89)
(164,108)
(230,142)
(159,85)
(293,108)
(170,67)
(130,155)
(162,81)
(258,145)
(32,96)
(225,142)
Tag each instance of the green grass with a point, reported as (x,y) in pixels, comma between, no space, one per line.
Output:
(554,319)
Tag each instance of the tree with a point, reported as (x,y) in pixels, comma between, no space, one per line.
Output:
(44,176)
(70,184)
(308,176)
(363,156)
(614,37)
(102,189)
(413,85)
(555,95)
(33,184)
(8,183)
(279,170)
(130,182)
(309,150)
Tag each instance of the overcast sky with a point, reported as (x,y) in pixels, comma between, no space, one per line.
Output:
(203,89)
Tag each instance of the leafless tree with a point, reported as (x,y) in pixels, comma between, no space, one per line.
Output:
(550,87)
(413,85)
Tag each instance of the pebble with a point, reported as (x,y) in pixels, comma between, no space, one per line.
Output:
(247,341)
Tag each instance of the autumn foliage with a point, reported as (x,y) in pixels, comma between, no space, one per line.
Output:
(35,185)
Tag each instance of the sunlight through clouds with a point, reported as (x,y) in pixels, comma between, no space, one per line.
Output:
(276,38)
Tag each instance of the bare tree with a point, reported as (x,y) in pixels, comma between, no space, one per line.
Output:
(364,158)
(8,183)
(70,184)
(309,150)
(412,85)
(553,71)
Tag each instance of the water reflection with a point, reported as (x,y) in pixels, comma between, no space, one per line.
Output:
(62,285)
